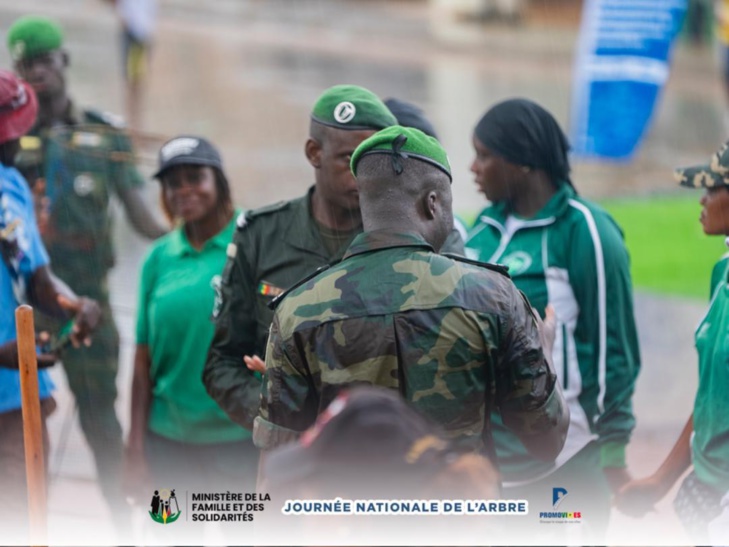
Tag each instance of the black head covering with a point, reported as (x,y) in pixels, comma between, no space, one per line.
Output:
(524,133)
(410,115)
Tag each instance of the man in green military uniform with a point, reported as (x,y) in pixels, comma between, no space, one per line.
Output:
(276,246)
(83,158)
(454,337)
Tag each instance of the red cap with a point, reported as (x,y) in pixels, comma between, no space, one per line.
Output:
(18,107)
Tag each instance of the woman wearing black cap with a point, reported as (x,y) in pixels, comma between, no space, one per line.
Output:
(566,252)
(178,432)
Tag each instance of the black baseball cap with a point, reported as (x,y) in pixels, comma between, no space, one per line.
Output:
(187,150)
(365,432)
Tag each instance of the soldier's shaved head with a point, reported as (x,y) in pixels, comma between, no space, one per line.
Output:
(418,200)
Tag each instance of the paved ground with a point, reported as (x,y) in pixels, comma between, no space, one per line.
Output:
(246,74)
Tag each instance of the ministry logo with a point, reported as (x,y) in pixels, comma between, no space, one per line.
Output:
(164,507)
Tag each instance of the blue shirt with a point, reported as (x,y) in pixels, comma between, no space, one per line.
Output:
(16,203)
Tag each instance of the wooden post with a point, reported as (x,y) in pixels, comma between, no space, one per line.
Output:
(32,426)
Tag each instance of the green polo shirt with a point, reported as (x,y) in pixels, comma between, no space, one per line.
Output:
(176,299)
(710,443)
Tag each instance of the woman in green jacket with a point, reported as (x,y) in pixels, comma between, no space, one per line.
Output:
(563,251)
(702,502)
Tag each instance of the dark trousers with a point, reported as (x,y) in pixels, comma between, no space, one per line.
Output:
(213,467)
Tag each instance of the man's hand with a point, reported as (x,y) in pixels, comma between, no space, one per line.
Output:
(9,353)
(255,363)
(639,496)
(617,477)
(141,218)
(87,316)
(547,329)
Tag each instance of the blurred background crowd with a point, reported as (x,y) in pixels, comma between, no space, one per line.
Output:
(244,73)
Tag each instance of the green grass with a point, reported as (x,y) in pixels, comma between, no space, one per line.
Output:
(669,252)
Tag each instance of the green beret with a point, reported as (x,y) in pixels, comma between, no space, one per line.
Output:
(352,107)
(403,142)
(30,36)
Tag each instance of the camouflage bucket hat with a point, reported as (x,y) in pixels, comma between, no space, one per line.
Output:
(713,175)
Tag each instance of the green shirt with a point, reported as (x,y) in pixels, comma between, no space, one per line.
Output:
(710,443)
(176,299)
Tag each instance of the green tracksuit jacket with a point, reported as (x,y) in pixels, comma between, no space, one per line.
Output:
(571,255)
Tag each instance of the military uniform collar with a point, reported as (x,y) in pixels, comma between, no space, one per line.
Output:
(378,240)
(179,245)
(303,231)
(72,116)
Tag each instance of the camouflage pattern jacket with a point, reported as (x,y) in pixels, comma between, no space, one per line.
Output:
(456,339)
(273,248)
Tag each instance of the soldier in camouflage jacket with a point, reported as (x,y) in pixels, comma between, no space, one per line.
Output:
(454,337)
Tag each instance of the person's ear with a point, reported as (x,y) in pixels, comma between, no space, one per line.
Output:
(313,151)
(431,204)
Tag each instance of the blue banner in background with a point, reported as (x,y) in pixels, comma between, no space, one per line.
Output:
(623,59)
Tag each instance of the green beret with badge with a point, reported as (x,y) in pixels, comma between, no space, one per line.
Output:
(712,175)
(403,143)
(31,35)
(351,107)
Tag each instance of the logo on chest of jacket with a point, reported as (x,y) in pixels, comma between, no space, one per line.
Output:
(517,262)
